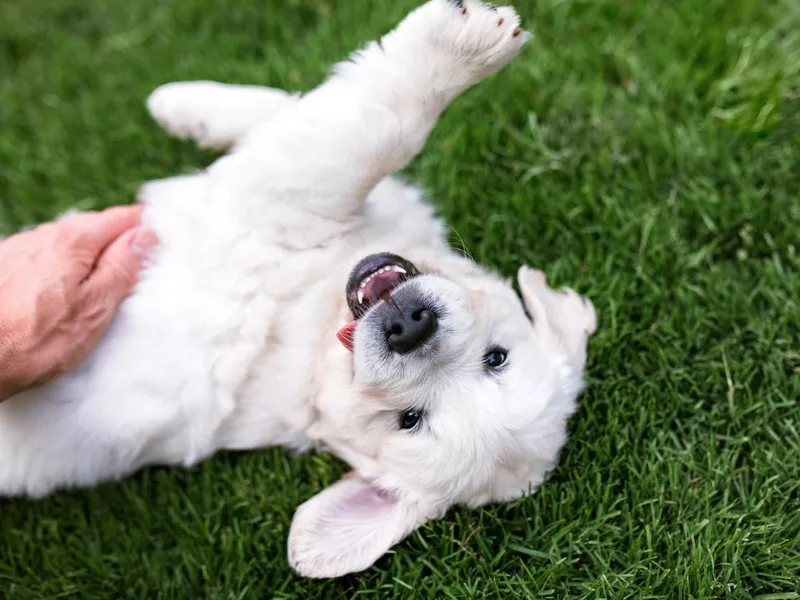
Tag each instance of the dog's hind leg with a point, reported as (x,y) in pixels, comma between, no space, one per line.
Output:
(215,115)
(372,115)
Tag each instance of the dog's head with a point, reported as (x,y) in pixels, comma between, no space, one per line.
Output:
(461,397)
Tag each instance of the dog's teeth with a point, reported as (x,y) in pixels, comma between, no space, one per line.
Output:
(399,269)
(360,296)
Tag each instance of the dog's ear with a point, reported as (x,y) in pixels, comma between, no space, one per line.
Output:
(568,315)
(346,528)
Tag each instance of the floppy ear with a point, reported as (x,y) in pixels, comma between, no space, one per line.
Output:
(570,316)
(346,528)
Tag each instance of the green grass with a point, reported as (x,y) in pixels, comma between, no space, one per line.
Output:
(646,153)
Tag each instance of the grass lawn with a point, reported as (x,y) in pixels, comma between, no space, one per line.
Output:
(646,153)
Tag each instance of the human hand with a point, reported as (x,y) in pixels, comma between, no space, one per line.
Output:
(60,285)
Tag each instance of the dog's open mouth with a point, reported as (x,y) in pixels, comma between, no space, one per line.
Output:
(371,281)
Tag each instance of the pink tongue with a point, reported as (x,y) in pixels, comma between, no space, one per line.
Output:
(346,335)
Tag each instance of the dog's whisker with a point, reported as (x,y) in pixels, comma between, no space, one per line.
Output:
(461,245)
(387,297)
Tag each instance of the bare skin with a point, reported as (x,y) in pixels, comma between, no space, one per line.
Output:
(60,285)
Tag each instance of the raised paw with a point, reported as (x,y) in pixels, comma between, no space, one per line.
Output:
(181,109)
(477,39)
(213,114)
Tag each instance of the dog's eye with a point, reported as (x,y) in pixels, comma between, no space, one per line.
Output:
(495,358)
(409,419)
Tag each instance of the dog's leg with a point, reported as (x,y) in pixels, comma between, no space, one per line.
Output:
(215,115)
(375,112)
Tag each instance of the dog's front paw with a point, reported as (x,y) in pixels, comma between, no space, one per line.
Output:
(183,110)
(477,39)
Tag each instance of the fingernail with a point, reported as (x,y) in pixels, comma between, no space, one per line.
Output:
(143,241)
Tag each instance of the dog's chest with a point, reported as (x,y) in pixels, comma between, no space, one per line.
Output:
(299,357)
(252,325)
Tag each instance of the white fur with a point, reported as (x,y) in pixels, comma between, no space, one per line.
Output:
(228,341)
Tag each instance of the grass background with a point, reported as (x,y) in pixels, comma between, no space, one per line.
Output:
(646,153)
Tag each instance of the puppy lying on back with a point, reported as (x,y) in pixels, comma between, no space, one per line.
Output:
(437,390)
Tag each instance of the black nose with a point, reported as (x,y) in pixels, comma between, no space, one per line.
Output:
(408,324)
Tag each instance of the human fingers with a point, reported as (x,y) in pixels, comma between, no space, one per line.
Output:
(117,268)
(82,238)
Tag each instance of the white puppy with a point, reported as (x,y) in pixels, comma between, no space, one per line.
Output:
(449,393)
